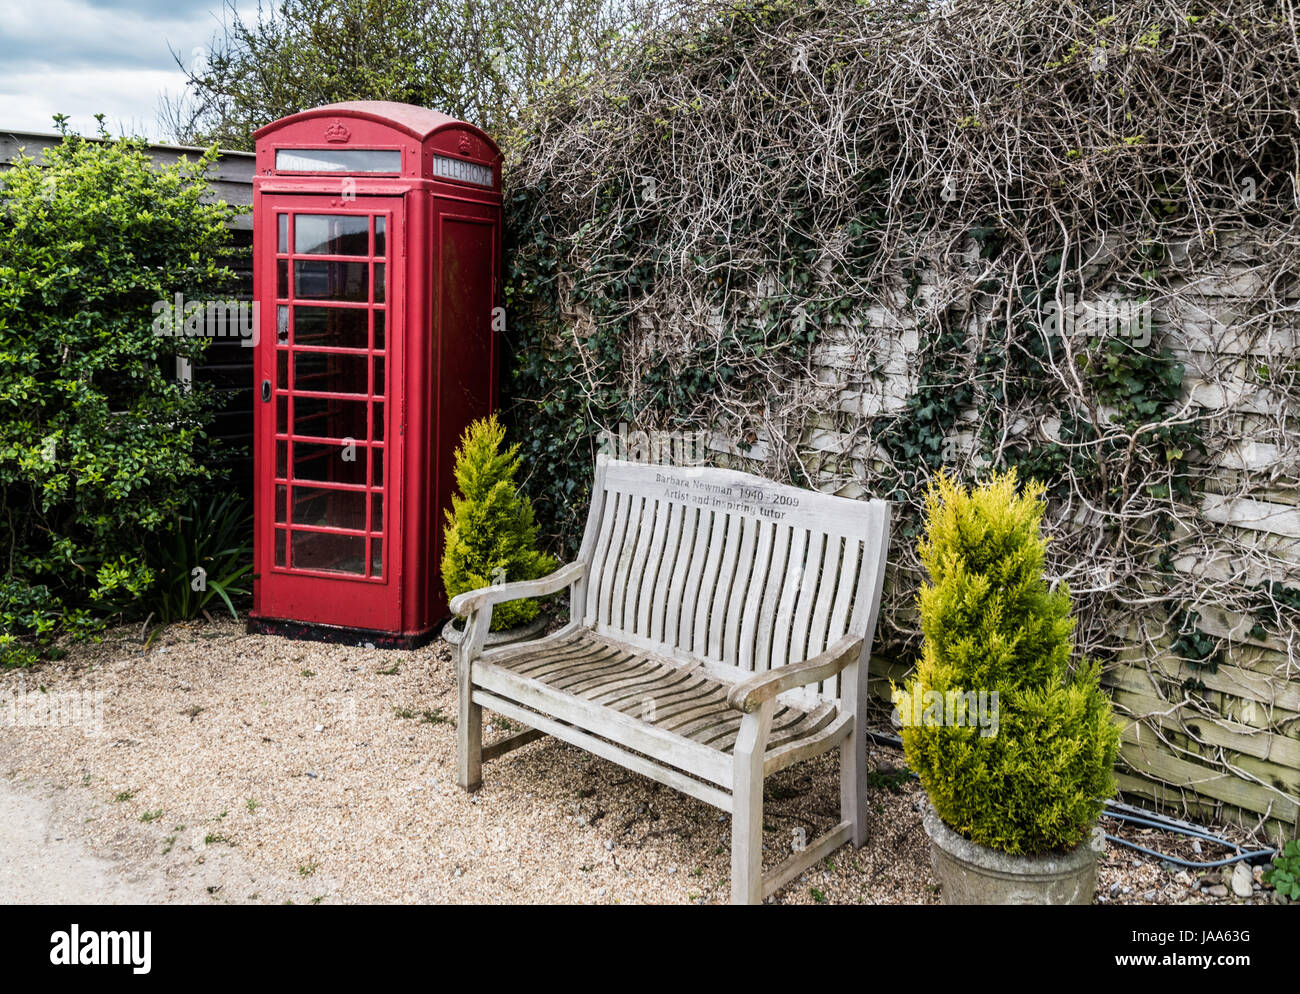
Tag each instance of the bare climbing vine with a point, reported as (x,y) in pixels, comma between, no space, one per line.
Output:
(860,242)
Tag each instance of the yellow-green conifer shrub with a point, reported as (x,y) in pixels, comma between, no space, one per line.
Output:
(990,623)
(491,536)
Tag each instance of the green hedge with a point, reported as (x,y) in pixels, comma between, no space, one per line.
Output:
(99,446)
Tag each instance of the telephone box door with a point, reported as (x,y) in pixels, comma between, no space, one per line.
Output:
(328,411)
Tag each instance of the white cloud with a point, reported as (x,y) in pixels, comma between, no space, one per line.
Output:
(82,57)
(128,99)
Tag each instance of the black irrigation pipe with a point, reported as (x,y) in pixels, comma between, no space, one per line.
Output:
(1152,819)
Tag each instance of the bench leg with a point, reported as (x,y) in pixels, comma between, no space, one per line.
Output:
(469,734)
(853,785)
(747,807)
(469,752)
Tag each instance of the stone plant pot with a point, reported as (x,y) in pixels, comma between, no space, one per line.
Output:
(454,631)
(974,874)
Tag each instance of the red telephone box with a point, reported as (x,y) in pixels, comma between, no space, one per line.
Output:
(376,254)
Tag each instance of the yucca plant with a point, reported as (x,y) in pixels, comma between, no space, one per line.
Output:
(214,537)
(491,536)
(990,623)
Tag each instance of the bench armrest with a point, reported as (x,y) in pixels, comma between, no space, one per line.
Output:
(748,694)
(472,600)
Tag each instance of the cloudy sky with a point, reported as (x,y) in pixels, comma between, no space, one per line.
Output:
(82,57)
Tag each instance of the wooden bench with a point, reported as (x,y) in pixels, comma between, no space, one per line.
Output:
(720,630)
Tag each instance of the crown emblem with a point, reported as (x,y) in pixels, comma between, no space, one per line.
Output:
(337,133)
(466,144)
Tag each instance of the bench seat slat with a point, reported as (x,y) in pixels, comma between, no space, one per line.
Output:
(590,661)
(683,686)
(625,669)
(573,655)
(677,697)
(638,678)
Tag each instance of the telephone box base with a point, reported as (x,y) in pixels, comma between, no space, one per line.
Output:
(362,638)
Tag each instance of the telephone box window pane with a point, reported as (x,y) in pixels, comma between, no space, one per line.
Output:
(329,508)
(376,557)
(282,369)
(332,234)
(281,416)
(338,160)
(281,497)
(282,245)
(379,331)
(380,236)
(282,325)
(328,462)
(379,282)
(280,539)
(326,417)
(378,416)
(314,462)
(281,459)
(336,553)
(330,280)
(376,512)
(282,279)
(330,372)
(379,376)
(330,327)
(377,467)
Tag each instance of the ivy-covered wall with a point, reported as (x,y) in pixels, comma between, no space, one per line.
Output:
(858,243)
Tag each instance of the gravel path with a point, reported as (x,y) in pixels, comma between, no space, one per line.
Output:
(226,767)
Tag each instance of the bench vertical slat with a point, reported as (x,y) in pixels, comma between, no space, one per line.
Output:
(623,571)
(793,581)
(849,572)
(596,567)
(813,579)
(752,598)
(681,571)
(718,526)
(667,565)
(613,556)
(649,582)
(636,589)
(715,613)
(772,598)
(839,621)
(831,572)
(704,527)
(742,571)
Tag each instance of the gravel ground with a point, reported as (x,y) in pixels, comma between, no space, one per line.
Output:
(227,767)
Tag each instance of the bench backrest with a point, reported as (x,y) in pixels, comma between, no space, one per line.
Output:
(731,567)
